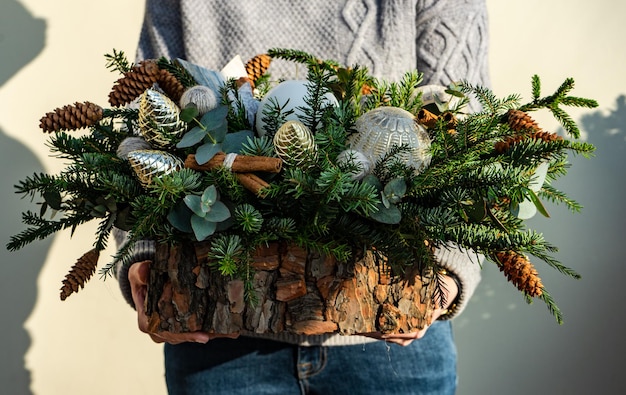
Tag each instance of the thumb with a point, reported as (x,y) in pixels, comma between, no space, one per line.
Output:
(138,273)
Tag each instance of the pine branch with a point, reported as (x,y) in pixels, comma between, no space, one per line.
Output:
(123,256)
(553,195)
(177,71)
(552,307)
(552,103)
(41,228)
(237,115)
(317,106)
(301,57)
(118,62)
(258,146)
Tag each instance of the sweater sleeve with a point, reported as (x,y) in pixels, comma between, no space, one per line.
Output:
(466,265)
(142,250)
(162,31)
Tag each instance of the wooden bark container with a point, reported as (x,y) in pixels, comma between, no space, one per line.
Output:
(297,292)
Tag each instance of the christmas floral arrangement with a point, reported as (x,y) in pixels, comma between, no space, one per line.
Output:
(340,165)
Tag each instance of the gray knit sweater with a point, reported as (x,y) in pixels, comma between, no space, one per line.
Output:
(446,40)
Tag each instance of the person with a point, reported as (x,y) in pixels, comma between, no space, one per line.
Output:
(446,40)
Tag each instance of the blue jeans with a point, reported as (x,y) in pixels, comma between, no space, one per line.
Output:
(255,366)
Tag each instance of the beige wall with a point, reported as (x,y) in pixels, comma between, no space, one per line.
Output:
(89,343)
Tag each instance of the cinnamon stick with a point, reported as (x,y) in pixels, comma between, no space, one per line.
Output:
(427,118)
(252,182)
(241,164)
(450,121)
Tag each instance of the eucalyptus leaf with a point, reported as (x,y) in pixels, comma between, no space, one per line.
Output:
(387,215)
(98,211)
(373,181)
(188,113)
(53,199)
(219,132)
(455,93)
(192,137)
(209,196)
(233,142)
(194,202)
(109,203)
(385,202)
(43,209)
(537,202)
(218,213)
(477,211)
(123,219)
(395,190)
(215,118)
(180,217)
(202,228)
(206,151)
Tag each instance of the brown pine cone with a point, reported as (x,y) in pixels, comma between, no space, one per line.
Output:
(505,145)
(134,83)
(80,273)
(545,136)
(521,272)
(172,87)
(257,66)
(520,121)
(71,117)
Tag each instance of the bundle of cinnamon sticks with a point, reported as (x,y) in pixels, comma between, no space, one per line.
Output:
(243,167)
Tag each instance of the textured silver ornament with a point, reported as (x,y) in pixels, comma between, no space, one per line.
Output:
(159,120)
(149,164)
(357,159)
(295,145)
(382,128)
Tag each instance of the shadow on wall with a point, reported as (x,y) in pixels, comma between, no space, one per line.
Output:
(585,355)
(22,37)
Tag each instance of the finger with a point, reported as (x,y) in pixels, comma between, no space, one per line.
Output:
(138,273)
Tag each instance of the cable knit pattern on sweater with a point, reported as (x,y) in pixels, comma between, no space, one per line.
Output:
(446,40)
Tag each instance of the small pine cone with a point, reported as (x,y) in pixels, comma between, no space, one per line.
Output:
(171,85)
(545,136)
(520,121)
(521,272)
(505,145)
(71,117)
(80,273)
(134,82)
(257,66)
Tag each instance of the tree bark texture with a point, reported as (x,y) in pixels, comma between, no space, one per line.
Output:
(296,291)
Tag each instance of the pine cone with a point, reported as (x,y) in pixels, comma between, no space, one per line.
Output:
(257,66)
(80,273)
(521,272)
(171,85)
(134,82)
(71,117)
(520,121)
(505,145)
(545,136)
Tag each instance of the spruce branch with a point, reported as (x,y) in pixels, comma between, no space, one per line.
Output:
(177,70)
(41,228)
(552,306)
(552,103)
(118,62)
(302,57)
